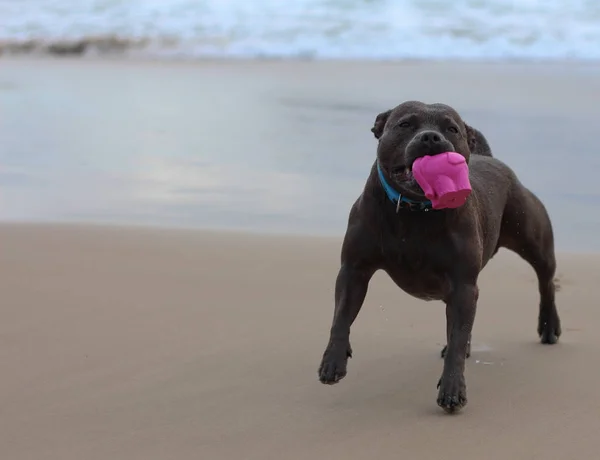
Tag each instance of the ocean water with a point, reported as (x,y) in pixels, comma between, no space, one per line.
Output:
(344,29)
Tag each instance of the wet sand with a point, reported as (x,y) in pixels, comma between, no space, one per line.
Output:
(131,343)
(271,146)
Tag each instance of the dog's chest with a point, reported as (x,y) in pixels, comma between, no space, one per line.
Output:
(421,270)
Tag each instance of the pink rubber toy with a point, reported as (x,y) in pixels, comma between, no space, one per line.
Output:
(444,178)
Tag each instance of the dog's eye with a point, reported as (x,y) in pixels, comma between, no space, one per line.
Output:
(404,124)
(452,129)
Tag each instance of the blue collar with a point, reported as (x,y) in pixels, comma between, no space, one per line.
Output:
(401,201)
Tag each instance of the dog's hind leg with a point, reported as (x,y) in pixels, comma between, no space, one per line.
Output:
(527,230)
(542,259)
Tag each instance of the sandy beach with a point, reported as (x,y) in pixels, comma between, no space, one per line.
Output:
(191,323)
(131,343)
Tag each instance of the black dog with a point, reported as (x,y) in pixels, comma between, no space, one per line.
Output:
(437,254)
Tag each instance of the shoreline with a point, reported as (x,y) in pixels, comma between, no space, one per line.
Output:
(233,232)
(226,232)
(114,47)
(213,59)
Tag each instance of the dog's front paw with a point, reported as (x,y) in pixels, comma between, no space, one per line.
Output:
(452,395)
(549,330)
(333,364)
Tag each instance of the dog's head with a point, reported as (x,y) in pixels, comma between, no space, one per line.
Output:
(413,130)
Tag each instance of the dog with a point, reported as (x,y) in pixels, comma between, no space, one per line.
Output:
(437,254)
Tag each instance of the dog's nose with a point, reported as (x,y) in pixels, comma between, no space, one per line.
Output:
(430,138)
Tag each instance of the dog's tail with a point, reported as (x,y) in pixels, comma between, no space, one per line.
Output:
(481,146)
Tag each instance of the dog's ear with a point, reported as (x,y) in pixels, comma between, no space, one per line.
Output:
(471,138)
(478,144)
(380,121)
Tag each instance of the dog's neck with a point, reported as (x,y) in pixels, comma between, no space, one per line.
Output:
(400,201)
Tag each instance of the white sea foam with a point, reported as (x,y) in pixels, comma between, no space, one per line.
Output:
(372,29)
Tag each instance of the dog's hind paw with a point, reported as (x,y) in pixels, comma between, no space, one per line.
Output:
(333,365)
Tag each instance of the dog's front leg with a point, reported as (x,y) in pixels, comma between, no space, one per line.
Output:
(350,290)
(460,316)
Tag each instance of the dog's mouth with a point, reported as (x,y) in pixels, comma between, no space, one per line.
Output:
(403,178)
(402,174)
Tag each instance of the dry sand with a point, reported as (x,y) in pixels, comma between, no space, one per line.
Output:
(128,343)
